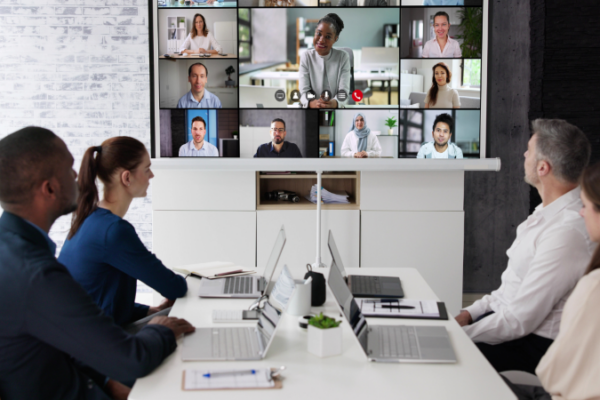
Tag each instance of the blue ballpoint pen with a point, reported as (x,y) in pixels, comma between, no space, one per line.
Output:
(230,373)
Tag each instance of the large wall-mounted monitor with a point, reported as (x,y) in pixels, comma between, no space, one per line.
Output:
(297,80)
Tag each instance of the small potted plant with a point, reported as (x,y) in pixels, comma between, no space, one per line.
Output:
(324,336)
(390,123)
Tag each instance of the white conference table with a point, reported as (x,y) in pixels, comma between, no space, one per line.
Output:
(347,376)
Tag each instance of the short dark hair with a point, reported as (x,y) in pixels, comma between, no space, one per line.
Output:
(28,157)
(445,118)
(193,65)
(441,14)
(279,120)
(564,146)
(199,119)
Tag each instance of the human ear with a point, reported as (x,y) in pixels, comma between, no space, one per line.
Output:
(126,178)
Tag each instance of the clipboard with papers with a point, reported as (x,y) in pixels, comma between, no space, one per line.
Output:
(403,308)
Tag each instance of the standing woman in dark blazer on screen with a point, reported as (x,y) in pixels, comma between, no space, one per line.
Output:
(103,252)
(325,68)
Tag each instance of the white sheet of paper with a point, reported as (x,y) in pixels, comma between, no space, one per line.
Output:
(195,379)
(422,308)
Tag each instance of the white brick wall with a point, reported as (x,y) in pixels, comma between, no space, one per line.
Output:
(79,68)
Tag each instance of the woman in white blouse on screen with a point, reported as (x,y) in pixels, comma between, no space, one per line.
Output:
(441,95)
(360,142)
(200,40)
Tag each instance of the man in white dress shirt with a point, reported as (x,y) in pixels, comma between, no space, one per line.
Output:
(515,324)
(442,45)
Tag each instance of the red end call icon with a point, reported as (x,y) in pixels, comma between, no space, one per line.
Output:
(357,95)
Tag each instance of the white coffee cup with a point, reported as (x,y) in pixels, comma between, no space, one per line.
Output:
(301,299)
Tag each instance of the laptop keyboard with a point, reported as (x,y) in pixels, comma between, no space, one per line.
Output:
(234,343)
(238,285)
(398,342)
(365,284)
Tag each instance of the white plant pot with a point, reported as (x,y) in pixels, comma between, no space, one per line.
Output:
(391,131)
(325,342)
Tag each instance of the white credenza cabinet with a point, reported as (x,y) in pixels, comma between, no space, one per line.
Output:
(403,218)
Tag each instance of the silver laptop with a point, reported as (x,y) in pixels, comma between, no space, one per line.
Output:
(366,285)
(245,286)
(250,343)
(390,343)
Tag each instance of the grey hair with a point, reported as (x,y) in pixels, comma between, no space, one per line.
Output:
(564,146)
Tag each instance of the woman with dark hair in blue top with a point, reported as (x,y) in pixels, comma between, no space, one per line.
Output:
(103,252)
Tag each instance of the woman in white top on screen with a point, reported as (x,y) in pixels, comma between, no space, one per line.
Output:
(325,68)
(569,369)
(441,95)
(360,142)
(200,40)
(442,45)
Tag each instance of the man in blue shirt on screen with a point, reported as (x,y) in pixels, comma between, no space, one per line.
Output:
(198,96)
(443,2)
(278,147)
(198,147)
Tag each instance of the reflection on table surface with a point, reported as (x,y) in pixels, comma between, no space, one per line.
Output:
(191,4)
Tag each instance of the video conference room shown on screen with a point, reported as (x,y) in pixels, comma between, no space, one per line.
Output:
(317,78)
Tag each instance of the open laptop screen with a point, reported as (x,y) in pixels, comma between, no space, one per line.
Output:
(335,254)
(274,258)
(348,305)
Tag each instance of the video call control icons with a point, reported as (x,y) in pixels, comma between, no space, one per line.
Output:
(357,95)
(342,95)
(280,95)
(295,95)
(311,95)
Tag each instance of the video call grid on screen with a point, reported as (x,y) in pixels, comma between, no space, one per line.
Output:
(166,99)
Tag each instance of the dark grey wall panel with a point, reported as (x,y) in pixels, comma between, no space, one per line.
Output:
(497,202)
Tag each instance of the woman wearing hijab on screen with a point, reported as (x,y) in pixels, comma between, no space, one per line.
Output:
(200,40)
(325,68)
(441,95)
(360,142)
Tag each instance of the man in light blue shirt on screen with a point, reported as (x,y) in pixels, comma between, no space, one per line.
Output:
(198,147)
(443,2)
(198,96)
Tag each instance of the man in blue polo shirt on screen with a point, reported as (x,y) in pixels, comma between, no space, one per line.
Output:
(198,96)
(198,147)
(278,147)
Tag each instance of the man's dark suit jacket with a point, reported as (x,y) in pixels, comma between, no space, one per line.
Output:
(47,321)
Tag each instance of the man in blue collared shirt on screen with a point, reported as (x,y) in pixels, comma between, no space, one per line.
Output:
(198,96)
(443,2)
(198,147)
(278,147)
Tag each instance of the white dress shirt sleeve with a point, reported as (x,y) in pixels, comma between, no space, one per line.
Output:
(561,255)
(347,146)
(186,43)
(213,43)
(374,148)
